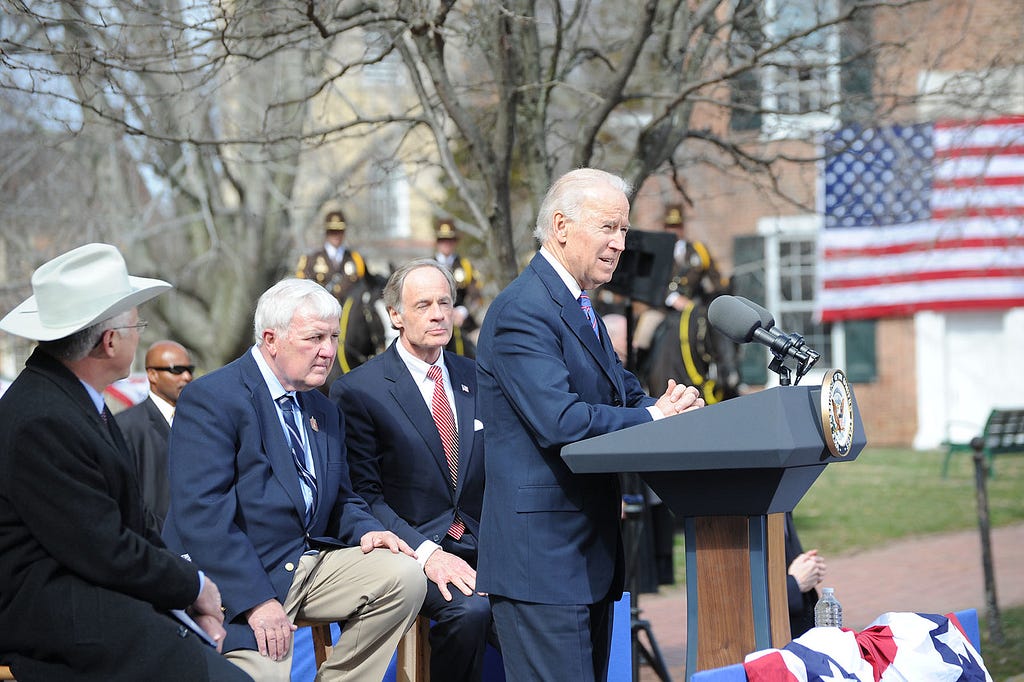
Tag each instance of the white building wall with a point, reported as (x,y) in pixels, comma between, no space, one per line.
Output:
(967,364)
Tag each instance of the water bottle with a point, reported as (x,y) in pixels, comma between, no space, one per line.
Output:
(828,612)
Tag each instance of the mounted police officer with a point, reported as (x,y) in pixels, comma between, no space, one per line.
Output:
(468,297)
(333,266)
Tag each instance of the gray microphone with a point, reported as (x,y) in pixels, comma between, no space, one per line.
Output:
(767,321)
(734,318)
(744,321)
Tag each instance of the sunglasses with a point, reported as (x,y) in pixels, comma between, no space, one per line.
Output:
(176,369)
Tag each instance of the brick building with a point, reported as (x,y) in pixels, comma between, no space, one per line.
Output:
(918,378)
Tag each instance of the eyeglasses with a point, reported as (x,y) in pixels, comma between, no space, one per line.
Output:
(176,369)
(140,325)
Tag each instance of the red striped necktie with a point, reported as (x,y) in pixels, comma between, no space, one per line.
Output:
(445,421)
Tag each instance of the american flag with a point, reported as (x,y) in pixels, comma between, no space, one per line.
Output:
(922,217)
(895,648)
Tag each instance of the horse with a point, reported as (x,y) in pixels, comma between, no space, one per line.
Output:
(364,327)
(685,347)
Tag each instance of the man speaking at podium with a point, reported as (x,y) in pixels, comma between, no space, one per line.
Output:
(550,554)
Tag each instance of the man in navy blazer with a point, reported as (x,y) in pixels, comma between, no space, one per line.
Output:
(399,463)
(551,554)
(261,499)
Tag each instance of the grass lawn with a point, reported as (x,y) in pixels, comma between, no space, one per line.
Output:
(887,494)
(1005,660)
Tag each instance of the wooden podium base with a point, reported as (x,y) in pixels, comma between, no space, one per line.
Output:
(735,588)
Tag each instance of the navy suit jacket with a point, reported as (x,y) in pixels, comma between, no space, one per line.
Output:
(146,431)
(396,458)
(236,505)
(545,380)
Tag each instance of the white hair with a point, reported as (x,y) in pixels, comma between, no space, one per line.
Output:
(568,194)
(278,305)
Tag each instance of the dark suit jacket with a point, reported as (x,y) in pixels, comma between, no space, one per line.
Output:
(801,604)
(548,535)
(395,454)
(76,558)
(146,431)
(236,505)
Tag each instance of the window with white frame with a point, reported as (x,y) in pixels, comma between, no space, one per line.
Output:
(384,66)
(790,256)
(388,200)
(801,74)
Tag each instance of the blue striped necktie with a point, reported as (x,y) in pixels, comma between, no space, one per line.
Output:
(588,310)
(306,477)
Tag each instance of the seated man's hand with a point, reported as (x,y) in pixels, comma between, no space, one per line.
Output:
(443,568)
(206,611)
(214,627)
(385,538)
(272,628)
(808,569)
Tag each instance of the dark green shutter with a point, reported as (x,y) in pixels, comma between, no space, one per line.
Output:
(745,40)
(748,281)
(858,59)
(861,364)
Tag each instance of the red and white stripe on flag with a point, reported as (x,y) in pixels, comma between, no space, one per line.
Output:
(895,648)
(923,217)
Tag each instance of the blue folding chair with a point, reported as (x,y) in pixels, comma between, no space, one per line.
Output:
(620,665)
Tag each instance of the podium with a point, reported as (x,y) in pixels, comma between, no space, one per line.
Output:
(730,471)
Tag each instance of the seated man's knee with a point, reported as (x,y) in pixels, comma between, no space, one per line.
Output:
(471,614)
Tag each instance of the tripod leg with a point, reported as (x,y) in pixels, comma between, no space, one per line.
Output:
(652,654)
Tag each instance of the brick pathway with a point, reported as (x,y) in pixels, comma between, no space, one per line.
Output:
(932,574)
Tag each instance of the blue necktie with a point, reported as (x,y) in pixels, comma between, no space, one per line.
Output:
(306,477)
(588,310)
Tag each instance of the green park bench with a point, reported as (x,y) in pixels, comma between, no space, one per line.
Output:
(1003,435)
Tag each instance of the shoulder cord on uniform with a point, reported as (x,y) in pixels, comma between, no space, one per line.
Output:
(460,346)
(707,386)
(705,255)
(468,269)
(360,264)
(343,331)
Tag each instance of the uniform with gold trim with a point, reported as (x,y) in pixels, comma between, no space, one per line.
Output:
(333,266)
(468,296)
(695,275)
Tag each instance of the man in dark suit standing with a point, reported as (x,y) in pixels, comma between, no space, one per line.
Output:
(147,426)
(551,555)
(87,585)
(415,452)
(261,499)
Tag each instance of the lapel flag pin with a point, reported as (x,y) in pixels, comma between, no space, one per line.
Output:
(313,425)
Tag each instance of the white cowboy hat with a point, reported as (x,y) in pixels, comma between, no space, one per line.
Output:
(76,290)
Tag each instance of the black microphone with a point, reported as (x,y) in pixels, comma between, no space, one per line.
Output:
(744,321)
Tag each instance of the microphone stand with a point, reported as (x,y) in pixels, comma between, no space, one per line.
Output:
(635,515)
(785,364)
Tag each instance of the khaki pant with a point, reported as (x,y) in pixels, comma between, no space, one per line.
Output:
(377,595)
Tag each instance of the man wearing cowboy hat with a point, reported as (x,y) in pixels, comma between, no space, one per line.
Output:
(88,586)
(333,266)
